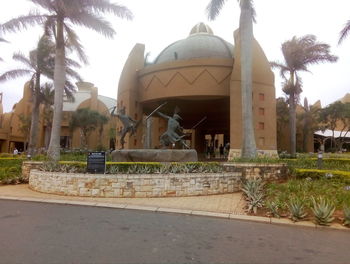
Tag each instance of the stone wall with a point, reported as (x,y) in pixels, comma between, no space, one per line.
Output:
(134,185)
(27,166)
(267,172)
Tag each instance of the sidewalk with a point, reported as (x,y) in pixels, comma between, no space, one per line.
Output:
(229,206)
(222,204)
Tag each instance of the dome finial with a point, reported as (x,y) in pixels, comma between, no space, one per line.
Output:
(201,28)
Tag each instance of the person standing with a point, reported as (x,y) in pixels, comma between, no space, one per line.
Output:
(221,150)
(15,151)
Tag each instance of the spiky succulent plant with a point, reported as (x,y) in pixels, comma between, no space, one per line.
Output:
(274,208)
(323,211)
(253,189)
(347,216)
(297,209)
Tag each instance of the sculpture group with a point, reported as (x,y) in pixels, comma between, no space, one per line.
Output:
(172,136)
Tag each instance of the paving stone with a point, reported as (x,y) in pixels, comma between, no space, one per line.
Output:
(250,218)
(139,207)
(204,213)
(174,210)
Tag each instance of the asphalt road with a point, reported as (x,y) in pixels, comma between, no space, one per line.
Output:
(49,233)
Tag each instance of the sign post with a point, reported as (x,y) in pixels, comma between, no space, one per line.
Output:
(96,162)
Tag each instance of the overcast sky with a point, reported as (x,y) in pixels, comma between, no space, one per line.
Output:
(158,23)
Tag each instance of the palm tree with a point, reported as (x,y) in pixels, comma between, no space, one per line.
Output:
(344,32)
(246,41)
(62,14)
(47,94)
(299,53)
(308,120)
(40,62)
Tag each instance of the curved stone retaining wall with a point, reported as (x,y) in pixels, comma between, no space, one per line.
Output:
(134,185)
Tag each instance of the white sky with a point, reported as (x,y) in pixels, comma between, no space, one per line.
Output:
(158,23)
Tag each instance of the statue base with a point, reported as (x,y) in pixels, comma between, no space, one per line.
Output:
(155,155)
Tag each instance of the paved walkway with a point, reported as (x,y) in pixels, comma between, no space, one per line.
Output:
(225,203)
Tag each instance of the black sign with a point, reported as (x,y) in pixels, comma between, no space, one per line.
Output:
(96,162)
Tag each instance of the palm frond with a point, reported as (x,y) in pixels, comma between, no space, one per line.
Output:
(45,4)
(72,63)
(50,27)
(18,56)
(14,74)
(283,69)
(248,5)
(103,6)
(213,8)
(73,74)
(74,44)
(47,93)
(3,40)
(22,22)
(69,90)
(344,32)
(94,22)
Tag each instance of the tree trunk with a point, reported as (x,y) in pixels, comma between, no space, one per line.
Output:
(34,127)
(59,81)
(292,124)
(246,38)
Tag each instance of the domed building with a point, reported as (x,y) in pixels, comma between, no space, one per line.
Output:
(198,77)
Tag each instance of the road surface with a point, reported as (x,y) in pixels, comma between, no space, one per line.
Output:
(48,233)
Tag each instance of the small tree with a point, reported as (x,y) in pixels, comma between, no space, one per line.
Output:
(24,127)
(337,116)
(309,122)
(87,121)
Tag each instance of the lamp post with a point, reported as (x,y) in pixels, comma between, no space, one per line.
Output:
(319,159)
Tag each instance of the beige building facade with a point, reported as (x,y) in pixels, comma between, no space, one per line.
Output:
(14,131)
(199,76)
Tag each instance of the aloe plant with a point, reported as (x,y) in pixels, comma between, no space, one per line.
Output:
(297,209)
(114,170)
(323,211)
(347,216)
(253,189)
(274,208)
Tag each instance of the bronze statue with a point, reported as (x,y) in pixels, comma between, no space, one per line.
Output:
(174,133)
(129,125)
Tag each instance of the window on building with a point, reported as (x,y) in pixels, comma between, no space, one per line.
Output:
(261,111)
(261,97)
(261,125)
(135,142)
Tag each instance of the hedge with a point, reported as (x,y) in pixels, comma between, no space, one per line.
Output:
(314,173)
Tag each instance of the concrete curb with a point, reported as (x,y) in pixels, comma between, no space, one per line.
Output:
(260,219)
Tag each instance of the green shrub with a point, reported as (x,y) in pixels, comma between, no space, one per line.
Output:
(138,167)
(317,174)
(11,170)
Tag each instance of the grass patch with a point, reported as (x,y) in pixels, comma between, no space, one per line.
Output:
(11,170)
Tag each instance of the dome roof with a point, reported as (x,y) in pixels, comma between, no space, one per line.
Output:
(201,28)
(201,43)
